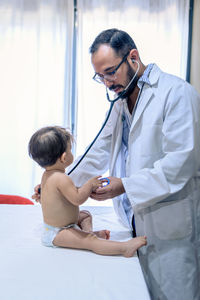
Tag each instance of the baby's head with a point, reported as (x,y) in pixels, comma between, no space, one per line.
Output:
(48,144)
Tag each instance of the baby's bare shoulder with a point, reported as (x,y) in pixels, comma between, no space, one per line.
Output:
(63,178)
(57,178)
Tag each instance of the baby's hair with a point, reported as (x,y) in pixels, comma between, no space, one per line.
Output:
(48,144)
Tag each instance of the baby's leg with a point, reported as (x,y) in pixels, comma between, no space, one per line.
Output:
(85,223)
(78,239)
(85,220)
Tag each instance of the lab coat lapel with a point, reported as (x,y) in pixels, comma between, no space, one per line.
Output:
(145,97)
(146,94)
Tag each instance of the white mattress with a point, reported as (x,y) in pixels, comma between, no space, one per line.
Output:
(30,271)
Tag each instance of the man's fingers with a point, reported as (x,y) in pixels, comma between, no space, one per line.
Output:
(103,190)
(100,197)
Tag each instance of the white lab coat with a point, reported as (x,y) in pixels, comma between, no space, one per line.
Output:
(162,181)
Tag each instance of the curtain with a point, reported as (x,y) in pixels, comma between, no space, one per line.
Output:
(37,67)
(160,31)
(35,80)
(195,59)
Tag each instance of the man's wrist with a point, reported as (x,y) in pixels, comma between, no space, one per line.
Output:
(121,187)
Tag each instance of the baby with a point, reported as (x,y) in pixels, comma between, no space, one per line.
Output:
(64,224)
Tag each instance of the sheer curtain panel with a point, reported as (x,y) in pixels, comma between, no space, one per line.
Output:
(35,76)
(160,31)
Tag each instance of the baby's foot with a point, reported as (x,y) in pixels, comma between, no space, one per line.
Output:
(103,234)
(134,244)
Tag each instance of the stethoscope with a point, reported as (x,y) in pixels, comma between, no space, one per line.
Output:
(105,180)
(112,102)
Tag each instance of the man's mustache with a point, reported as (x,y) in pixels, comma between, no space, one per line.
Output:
(113,87)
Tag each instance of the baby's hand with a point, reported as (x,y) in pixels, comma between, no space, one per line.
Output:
(96,183)
(36,195)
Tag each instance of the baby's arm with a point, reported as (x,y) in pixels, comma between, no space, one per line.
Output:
(77,196)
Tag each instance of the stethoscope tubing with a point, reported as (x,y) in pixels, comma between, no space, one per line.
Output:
(88,149)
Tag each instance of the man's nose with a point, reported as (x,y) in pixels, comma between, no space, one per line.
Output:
(108,83)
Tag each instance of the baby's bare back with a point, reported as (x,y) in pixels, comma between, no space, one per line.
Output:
(57,210)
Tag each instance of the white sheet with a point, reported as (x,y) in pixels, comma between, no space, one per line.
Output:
(30,271)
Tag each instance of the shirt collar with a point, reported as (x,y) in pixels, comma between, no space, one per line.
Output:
(143,79)
(145,76)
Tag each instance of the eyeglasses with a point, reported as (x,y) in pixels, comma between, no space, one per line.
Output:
(110,76)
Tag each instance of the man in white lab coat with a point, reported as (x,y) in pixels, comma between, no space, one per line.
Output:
(151,146)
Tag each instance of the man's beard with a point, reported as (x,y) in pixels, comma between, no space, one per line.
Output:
(125,93)
(130,75)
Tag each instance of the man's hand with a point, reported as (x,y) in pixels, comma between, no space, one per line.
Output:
(36,195)
(113,189)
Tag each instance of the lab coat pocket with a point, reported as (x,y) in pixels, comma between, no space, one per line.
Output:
(172,219)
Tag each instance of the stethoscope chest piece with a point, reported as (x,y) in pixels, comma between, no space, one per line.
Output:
(105,180)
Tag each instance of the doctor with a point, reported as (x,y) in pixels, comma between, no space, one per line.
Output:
(151,146)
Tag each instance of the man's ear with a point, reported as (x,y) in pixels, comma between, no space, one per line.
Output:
(63,157)
(134,54)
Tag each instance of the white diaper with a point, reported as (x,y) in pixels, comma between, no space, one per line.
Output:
(49,233)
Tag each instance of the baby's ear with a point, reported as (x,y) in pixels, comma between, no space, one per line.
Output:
(63,157)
